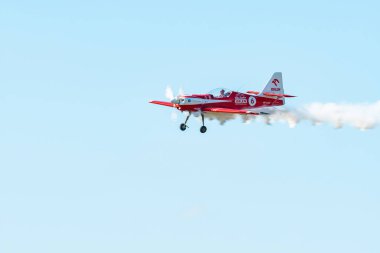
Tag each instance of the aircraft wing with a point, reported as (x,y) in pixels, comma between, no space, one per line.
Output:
(233,111)
(162,103)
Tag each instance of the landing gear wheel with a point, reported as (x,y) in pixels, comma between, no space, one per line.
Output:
(182,127)
(203,129)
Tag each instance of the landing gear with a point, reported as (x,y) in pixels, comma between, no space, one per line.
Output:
(203,128)
(183,126)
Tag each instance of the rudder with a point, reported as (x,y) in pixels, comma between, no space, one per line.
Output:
(275,85)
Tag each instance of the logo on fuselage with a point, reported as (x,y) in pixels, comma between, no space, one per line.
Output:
(241,99)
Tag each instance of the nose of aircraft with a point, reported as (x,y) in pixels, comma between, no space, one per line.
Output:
(175,100)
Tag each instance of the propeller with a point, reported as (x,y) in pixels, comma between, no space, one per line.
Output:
(181,92)
(169,94)
(174,116)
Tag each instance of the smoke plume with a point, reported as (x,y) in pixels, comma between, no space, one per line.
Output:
(360,116)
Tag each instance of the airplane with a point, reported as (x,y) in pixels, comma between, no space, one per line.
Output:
(224,101)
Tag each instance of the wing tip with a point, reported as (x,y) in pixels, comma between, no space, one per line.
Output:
(161,103)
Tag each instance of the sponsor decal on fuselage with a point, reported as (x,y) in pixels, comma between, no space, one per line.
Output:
(241,99)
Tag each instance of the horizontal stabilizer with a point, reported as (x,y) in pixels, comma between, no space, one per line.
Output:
(269,94)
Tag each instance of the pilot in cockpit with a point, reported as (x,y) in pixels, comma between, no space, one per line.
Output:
(222,95)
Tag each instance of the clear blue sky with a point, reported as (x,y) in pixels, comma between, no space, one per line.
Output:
(87,165)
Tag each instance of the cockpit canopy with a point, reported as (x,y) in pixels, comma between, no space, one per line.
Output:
(220,93)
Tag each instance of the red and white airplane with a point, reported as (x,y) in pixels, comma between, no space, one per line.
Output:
(225,101)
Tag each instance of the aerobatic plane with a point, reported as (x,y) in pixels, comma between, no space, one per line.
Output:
(224,101)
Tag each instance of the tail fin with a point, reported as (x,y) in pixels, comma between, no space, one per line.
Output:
(275,85)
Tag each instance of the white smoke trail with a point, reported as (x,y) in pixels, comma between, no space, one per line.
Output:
(360,116)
